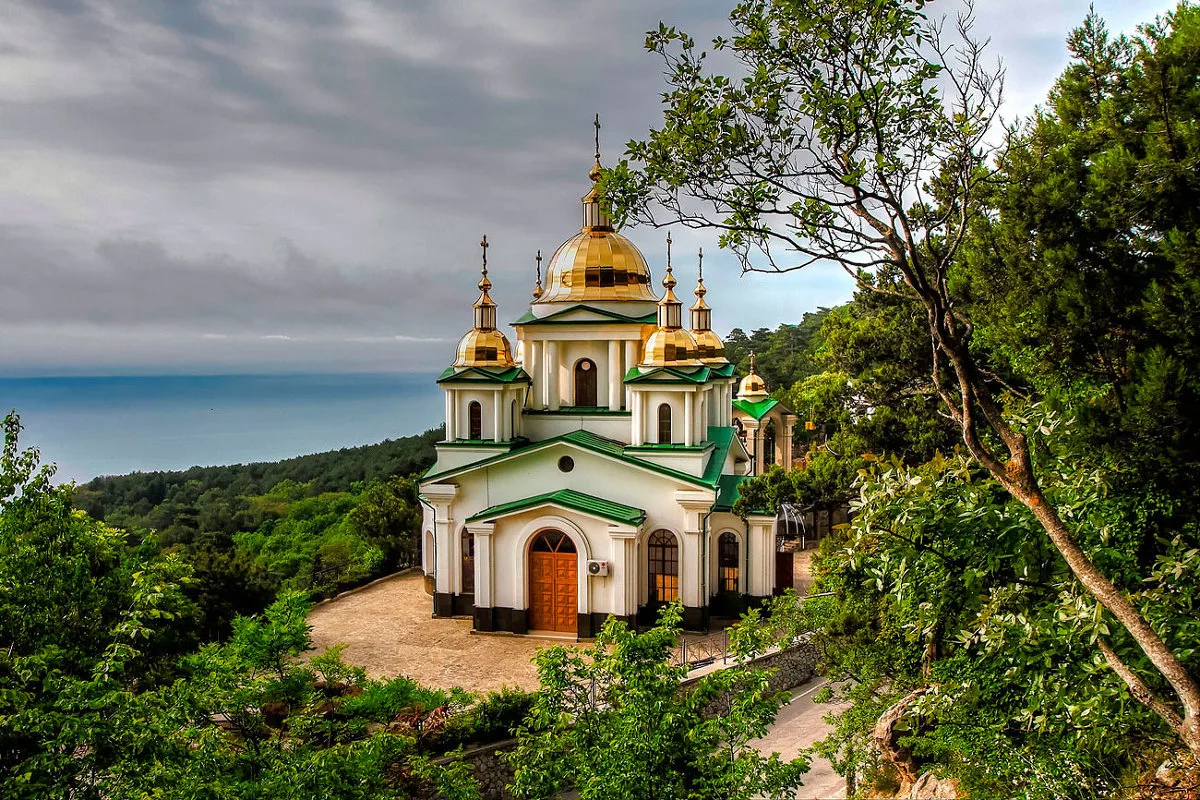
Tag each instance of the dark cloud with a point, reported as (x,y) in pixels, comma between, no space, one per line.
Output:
(183,179)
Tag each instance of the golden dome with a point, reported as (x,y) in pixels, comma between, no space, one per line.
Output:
(484,348)
(752,387)
(668,347)
(597,265)
(709,347)
(483,345)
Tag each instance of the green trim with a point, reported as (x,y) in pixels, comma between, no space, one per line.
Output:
(756,410)
(587,441)
(694,375)
(508,444)
(528,317)
(571,499)
(587,411)
(675,448)
(485,375)
(724,371)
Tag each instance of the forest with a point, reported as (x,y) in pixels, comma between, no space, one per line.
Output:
(1009,402)
(315,524)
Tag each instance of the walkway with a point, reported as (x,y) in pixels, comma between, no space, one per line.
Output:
(387,628)
(799,724)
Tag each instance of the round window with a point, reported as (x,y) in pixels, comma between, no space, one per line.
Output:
(585,366)
(566,463)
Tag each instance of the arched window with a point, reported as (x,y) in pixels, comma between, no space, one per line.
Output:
(768,454)
(727,562)
(664,423)
(512,420)
(474,420)
(585,383)
(664,567)
(468,562)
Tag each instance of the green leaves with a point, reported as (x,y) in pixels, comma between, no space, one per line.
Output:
(614,720)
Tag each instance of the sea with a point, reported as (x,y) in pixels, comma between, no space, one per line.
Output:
(91,426)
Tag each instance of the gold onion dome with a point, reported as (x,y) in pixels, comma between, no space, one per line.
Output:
(483,345)
(670,345)
(597,264)
(752,387)
(709,347)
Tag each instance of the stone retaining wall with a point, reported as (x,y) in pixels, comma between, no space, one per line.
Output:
(793,666)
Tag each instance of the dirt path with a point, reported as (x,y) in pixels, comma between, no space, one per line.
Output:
(388,630)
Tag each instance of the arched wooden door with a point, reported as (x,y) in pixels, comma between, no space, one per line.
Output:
(553,583)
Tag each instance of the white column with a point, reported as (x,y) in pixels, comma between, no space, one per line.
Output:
(449,415)
(635,402)
(445,550)
(761,549)
(532,362)
(552,398)
(614,375)
(497,417)
(689,419)
(483,563)
(631,361)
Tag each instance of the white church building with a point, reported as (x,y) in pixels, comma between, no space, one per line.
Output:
(591,470)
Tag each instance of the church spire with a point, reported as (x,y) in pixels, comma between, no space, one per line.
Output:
(485,307)
(670,310)
(701,313)
(595,218)
(537,290)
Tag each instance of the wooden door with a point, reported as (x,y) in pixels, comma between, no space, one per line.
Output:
(553,583)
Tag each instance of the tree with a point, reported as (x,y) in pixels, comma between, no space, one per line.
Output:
(857,134)
(86,622)
(613,721)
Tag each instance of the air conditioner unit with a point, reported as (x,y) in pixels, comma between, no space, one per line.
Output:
(597,569)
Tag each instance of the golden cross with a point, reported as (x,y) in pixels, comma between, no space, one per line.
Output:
(484,245)
(597,124)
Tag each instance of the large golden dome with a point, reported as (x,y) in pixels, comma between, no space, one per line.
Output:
(709,347)
(597,264)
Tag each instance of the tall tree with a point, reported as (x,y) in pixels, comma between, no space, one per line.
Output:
(856,132)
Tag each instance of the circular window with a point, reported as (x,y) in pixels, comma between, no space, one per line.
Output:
(566,463)
(585,366)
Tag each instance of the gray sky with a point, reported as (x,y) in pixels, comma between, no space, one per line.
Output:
(300,185)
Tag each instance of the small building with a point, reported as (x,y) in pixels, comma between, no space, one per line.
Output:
(591,470)
(764,424)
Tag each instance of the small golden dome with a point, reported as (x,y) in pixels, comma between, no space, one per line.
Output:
(488,348)
(597,265)
(483,345)
(670,347)
(709,347)
(752,387)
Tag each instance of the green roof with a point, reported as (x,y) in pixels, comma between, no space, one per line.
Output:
(722,438)
(485,374)
(568,498)
(756,410)
(528,317)
(586,440)
(727,491)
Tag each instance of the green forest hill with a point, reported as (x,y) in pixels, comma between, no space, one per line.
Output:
(316,523)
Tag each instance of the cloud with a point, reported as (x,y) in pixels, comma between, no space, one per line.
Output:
(184,179)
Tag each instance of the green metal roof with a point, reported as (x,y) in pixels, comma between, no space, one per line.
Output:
(592,411)
(485,375)
(727,491)
(528,317)
(586,440)
(723,439)
(756,410)
(568,498)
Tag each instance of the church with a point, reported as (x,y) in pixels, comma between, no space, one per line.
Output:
(591,469)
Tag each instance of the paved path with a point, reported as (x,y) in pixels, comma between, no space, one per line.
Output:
(388,629)
(798,725)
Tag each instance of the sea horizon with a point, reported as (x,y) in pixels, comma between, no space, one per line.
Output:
(93,425)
